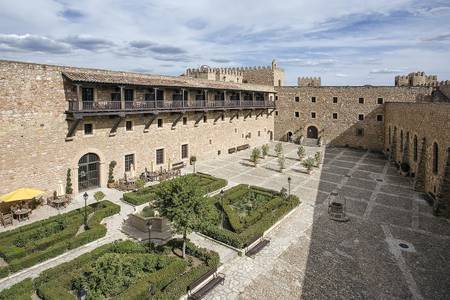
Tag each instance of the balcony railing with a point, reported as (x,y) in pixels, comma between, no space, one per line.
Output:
(112,106)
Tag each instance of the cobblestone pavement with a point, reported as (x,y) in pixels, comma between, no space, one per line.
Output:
(312,257)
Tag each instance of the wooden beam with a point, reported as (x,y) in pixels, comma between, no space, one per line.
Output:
(116,124)
(260,113)
(201,115)
(177,120)
(73,127)
(235,115)
(248,115)
(219,115)
(148,122)
(269,113)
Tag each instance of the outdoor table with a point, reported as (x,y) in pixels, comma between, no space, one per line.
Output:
(21,213)
(58,202)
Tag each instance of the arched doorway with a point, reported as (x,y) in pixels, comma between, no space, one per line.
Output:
(312,132)
(289,136)
(88,171)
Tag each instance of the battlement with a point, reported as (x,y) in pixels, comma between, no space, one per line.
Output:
(309,81)
(416,79)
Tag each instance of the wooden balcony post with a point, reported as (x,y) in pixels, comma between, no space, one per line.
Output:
(79,97)
(240,97)
(122,97)
(224,97)
(253,98)
(206,98)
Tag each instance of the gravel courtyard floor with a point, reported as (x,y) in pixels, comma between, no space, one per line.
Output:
(312,257)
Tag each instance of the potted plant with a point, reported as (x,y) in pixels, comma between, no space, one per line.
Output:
(279,149)
(404,169)
(318,158)
(255,155)
(300,152)
(111,181)
(309,164)
(281,163)
(265,150)
(192,161)
(69,188)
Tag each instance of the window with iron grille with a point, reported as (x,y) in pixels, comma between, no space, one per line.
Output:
(129,160)
(297,114)
(380,100)
(335,99)
(379,118)
(160,123)
(159,156)
(297,99)
(87,94)
(129,94)
(313,99)
(359,132)
(129,125)
(335,116)
(184,151)
(88,129)
(361,117)
(115,96)
(184,120)
(313,115)
(361,100)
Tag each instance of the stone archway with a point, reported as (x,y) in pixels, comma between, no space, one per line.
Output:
(88,172)
(312,132)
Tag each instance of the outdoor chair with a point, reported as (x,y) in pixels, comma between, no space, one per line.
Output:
(6,219)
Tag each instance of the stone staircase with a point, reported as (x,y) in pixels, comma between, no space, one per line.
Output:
(310,142)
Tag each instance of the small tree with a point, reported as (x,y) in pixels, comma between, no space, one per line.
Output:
(112,165)
(181,201)
(255,155)
(301,152)
(279,149)
(99,196)
(318,158)
(308,164)
(265,150)
(140,183)
(69,188)
(281,162)
(192,161)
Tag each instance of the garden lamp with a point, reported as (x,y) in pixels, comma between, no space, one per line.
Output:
(221,199)
(289,185)
(85,196)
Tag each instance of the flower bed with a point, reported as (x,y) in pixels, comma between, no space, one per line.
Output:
(249,211)
(30,244)
(127,270)
(206,182)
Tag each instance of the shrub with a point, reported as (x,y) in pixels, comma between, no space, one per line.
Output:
(192,159)
(309,164)
(281,162)
(140,183)
(301,152)
(255,155)
(265,150)
(69,188)
(318,158)
(98,196)
(112,165)
(20,291)
(279,149)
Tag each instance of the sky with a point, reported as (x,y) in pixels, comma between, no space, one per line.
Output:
(349,42)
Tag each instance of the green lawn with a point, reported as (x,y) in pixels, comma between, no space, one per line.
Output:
(127,270)
(248,212)
(206,182)
(30,244)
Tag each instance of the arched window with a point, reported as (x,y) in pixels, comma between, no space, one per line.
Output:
(435,158)
(415,148)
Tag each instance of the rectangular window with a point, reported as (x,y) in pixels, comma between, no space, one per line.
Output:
(184,120)
(276,97)
(297,99)
(87,94)
(313,115)
(222,117)
(184,151)
(335,116)
(335,99)
(379,118)
(129,161)
(205,118)
(159,156)
(380,100)
(129,94)
(88,129)
(361,100)
(313,99)
(160,123)
(359,132)
(115,96)
(259,133)
(276,113)
(297,114)
(361,117)
(129,125)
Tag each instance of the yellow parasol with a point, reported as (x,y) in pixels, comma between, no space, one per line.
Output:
(21,194)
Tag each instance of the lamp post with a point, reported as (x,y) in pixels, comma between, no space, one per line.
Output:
(85,196)
(221,199)
(150,225)
(289,186)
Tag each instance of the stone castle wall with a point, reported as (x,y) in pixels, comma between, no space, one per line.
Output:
(341,131)
(309,81)
(34,152)
(422,120)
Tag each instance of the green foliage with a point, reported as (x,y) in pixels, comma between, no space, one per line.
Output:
(39,241)
(99,196)
(255,155)
(265,150)
(309,164)
(318,158)
(69,188)
(112,165)
(192,159)
(20,291)
(140,183)
(147,212)
(279,149)
(301,152)
(281,162)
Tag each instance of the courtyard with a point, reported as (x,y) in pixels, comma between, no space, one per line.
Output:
(391,248)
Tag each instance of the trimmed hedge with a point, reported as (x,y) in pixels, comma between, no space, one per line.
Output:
(206,182)
(56,244)
(20,291)
(256,223)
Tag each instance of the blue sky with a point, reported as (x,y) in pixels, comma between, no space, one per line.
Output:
(348,42)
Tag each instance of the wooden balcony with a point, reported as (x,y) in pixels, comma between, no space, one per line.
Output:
(136,107)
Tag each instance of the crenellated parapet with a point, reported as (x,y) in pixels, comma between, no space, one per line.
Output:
(416,79)
(309,81)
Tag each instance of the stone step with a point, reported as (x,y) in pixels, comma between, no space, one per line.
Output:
(310,142)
